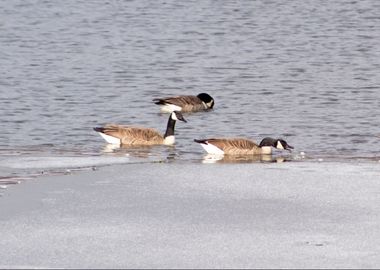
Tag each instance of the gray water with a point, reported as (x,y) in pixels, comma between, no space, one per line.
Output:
(306,71)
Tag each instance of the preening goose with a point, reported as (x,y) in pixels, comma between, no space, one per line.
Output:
(201,102)
(131,135)
(240,146)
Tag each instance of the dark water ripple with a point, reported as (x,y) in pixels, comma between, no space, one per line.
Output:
(303,70)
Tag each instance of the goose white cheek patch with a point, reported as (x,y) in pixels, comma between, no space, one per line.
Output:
(174,116)
(279,145)
(209,104)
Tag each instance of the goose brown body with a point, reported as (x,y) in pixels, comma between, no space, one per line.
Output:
(234,146)
(130,135)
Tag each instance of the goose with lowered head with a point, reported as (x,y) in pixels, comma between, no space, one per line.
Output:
(188,103)
(241,146)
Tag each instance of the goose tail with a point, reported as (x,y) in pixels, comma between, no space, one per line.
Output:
(201,141)
(99,129)
(107,138)
(159,101)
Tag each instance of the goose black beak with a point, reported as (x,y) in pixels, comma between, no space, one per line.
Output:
(289,147)
(179,116)
(182,119)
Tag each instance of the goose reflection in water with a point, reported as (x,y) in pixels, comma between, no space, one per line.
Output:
(140,151)
(211,158)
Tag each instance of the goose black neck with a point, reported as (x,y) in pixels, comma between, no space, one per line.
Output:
(170,127)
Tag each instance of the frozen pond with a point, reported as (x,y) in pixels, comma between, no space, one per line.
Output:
(306,71)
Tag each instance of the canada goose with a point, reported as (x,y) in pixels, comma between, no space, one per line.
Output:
(130,135)
(201,102)
(238,146)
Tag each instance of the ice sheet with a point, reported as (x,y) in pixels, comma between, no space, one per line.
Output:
(277,215)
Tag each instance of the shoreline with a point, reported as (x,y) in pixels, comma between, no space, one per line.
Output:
(175,215)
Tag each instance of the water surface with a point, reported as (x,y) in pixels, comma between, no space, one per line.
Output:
(306,71)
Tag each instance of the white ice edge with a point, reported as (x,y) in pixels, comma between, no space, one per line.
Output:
(60,162)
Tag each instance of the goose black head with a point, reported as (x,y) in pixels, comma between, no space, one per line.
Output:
(276,143)
(207,99)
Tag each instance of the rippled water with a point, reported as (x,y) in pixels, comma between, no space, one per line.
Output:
(307,71)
